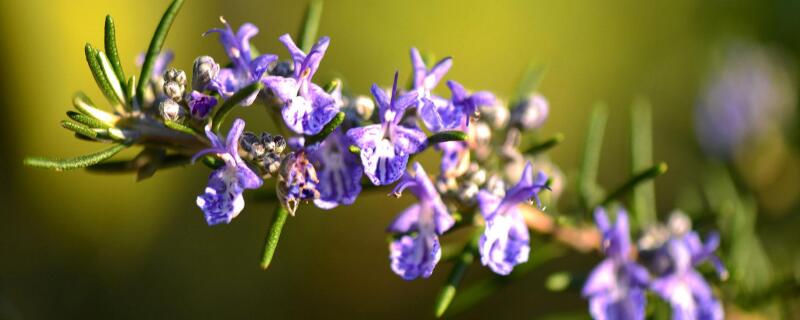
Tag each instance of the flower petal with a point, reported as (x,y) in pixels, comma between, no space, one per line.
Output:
(415,257)
(406,221)
(381,164)
(366,136)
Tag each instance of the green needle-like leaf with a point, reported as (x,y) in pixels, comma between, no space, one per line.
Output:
(116,84)
(354,149)
(545,145)
(99,76)
(529,82)
(587,179)
(634,181)
(233,101)
(446,136)
(74,163)
(327,130)
(333,85)
(111,49)
(79,128)
(271,243)
(180,127)
(86,120)
(464,260)
(86,106)
(643,200)
(133,165)
(308,31)
(155,47)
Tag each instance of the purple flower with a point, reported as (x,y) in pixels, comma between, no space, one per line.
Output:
(245,69)
(455,158)
(385,147)
(531,112)
(338,170)
(222,200)
(465,105)
(431,106)
(200,104)
(684,287)
(415,255)
(616,287)
(505,241)
(307,108)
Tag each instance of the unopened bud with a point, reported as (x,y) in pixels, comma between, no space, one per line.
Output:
(175,75)
(251,144)
(531,112)
(171,110)
(282,69)
(364,107)
(204,70)
(679,223)
(174,90)
(496,115)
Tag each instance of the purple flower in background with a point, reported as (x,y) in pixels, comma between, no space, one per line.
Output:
(338,170)
(684,287)
(162,61)
(751,94)
(307,108)
(616,287)
(415,255)
(245,69)
(455,158)
(505,241)
(385,147)
(465,105)
(222,200)
(531,112)
(200,104)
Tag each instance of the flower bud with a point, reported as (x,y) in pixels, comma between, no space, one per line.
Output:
(271,162)
(204,70)
(174,90)
(679,224)
(176,75)
(496,115)
(252,145)
(364,107)
(282,69)
(171,110)
(467,192)
(531,112)
(496,186)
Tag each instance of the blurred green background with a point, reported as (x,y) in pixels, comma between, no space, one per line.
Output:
(78,245)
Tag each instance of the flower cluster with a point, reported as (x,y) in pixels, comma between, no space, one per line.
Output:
(616,287)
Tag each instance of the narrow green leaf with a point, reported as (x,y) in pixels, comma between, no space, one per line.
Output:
(587,178)
(545,145)
(86,120)
(529,81)
(308,31)
(635,180)
(643,200)
(274,234)
(180,127)
(99,76)
(445,136)
(74,163)
(133,165)
(464,260)
(115,83)
(155,47)
(233,101)
(333,85)
(78,128)
(327,130)
(111,49)
(86,106)
(354,149)
(130,89)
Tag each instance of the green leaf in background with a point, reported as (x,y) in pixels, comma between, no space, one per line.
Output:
(529,82)
(634,181)
(74,163)
(111,49)
(545,145)
(462,263)
(587,177)
(310,26)
(274,234)
(156,43)
(643,201)
(327,130)
(233,101)
(181,127)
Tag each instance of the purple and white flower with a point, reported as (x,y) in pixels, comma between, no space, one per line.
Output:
(681,285)
(338,170)
(616,287)
(307,108)
(429,105)
(385,147)
(416,253)
(222,200)
(505,242)
(244,69)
